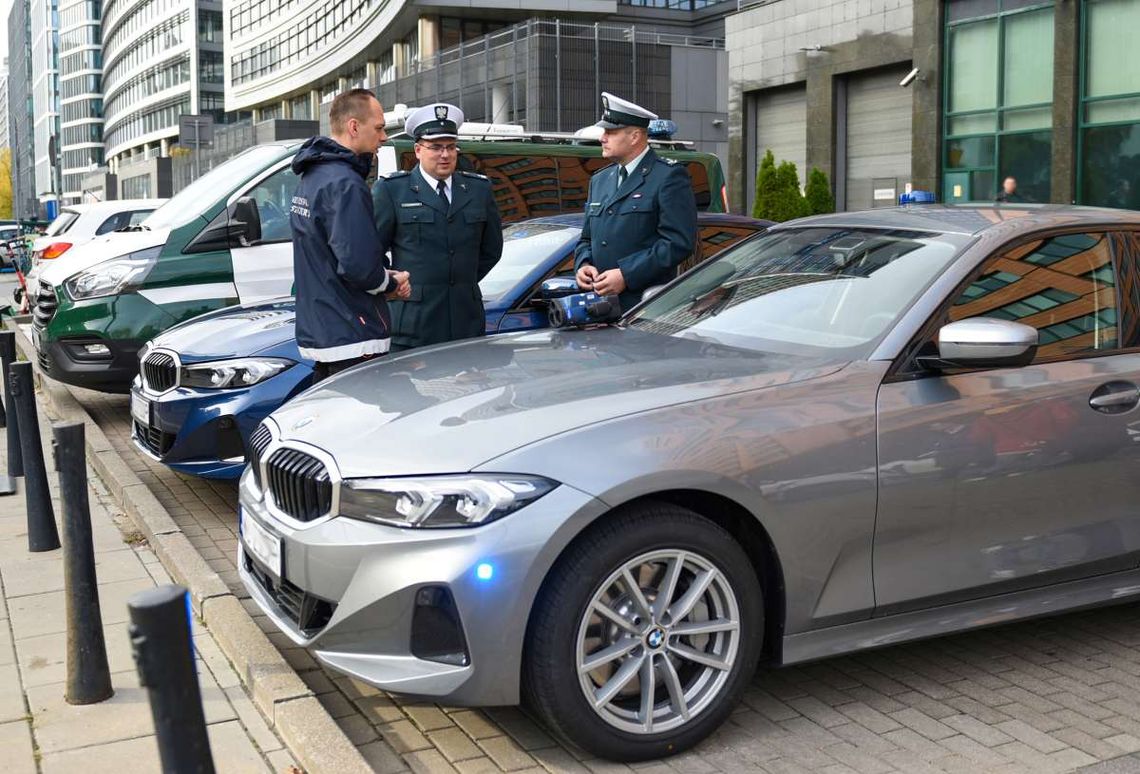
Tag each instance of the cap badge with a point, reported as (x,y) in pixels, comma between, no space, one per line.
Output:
(441,112)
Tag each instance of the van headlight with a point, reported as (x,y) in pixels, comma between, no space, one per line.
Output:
(241,372)
(112,277)
(439,501)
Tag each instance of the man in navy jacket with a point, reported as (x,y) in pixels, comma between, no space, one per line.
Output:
(341,273)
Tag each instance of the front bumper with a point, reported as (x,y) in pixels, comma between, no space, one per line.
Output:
(369,575)
(68,361)
(206,432)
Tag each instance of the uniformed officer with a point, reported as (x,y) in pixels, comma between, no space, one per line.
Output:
(442,227)
(641,214)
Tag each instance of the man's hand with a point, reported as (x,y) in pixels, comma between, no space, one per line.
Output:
(609,283)
(403,282)
(586,276)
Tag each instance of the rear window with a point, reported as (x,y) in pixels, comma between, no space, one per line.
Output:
(65,220)
(122,220)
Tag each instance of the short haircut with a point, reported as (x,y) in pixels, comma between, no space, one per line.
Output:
(354,103)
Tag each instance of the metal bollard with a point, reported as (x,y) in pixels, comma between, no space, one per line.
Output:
(160,637)
(88,674)
(7,357)
(42,534)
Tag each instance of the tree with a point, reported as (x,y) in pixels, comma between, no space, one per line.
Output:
(5,183)
(765,187)
(789,203)
(818,193)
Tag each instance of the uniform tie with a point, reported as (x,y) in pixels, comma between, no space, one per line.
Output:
(623,173)
(441,189)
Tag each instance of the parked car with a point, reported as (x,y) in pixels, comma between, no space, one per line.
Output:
(204,385)
(855,430)
(225,239)
(80,223)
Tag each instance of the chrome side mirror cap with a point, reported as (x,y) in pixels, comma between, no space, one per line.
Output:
(984,342)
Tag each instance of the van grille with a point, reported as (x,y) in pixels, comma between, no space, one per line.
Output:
(159,372)
(46,305)
(300,484)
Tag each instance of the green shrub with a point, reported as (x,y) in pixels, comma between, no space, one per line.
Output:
(778,194)
(765,187)
(818,194)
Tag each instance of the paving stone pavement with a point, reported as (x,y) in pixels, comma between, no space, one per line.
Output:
(39,730)
(1055,695)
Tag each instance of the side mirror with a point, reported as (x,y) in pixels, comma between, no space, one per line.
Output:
(558,287)
(983,342)
(245,221)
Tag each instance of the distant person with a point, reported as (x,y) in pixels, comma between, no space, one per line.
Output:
(1008,193)
(340,270)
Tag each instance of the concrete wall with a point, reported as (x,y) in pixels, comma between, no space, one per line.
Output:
(700,99)
(765,50)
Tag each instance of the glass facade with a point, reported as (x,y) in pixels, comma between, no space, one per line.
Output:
(997,99)
(1109,137)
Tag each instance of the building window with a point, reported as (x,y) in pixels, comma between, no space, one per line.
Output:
(137,187)
(998,99)
(1109,153)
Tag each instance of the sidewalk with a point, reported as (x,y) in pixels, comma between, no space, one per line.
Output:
(39,731)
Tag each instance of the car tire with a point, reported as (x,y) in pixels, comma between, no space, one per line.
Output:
(689,698)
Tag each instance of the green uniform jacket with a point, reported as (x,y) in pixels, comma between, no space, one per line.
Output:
(646,229)
(447,250)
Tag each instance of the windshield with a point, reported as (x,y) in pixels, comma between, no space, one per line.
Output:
(525,246)
(62,222)
(828,290)
(191,201)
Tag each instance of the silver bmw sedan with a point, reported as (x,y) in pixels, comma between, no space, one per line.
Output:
(855,430)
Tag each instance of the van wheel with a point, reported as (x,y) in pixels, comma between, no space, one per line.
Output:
(647,630)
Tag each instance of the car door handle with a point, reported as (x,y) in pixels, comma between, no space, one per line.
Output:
(1115,397)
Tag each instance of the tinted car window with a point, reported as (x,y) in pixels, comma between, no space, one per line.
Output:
(1065,287)
(62,222)
(114,223)
(833,290)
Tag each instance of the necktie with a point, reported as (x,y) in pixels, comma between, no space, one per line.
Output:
(623,173)
(441,189)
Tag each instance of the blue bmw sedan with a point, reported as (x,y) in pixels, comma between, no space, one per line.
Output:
(205,385)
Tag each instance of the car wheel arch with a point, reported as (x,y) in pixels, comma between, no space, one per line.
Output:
(735,519)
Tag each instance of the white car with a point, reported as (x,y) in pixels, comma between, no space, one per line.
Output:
(79,223)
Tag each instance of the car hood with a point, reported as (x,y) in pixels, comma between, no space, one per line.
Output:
(99,249)
(236,331)
(448,409)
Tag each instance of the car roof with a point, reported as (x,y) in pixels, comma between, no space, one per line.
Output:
(115,205)
(971,219)
(576,219)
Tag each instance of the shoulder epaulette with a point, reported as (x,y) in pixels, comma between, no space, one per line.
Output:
(397,173)
(670,162)
(475,175)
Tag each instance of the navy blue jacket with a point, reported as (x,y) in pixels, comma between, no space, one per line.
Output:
(646,229)
(338,267)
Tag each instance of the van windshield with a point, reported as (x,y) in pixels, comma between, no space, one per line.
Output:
(193,200)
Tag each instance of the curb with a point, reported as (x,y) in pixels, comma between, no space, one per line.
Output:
(289,706)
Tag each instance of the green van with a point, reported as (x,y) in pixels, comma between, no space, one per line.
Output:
(225,239)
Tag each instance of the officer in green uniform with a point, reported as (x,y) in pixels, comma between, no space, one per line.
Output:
(641,215)
(442,226)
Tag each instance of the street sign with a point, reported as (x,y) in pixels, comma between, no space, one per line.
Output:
(195,131)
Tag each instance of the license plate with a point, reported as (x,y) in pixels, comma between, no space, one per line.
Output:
(262,545)
(140,408)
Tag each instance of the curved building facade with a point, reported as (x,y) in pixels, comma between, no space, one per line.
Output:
(161,59)
(80,93)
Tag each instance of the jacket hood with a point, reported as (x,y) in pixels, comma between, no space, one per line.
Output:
(325,150)
(450,408)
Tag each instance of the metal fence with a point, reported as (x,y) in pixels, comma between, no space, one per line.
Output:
(544,74)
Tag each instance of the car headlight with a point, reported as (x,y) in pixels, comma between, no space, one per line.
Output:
(439,501)
(112,277)
(242,372)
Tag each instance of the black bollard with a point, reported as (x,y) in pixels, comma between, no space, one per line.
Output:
(88,674)
(42,534)
(160,637)
(7,357)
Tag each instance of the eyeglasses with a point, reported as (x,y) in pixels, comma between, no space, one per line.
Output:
(438,149)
